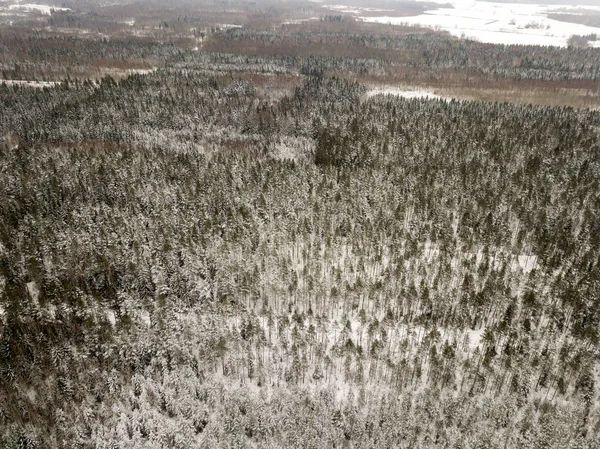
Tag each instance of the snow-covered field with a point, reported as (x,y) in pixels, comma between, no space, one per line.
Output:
(299,21)
(405,92)
(32,7)
(500,23)
(36,84)
(355,9)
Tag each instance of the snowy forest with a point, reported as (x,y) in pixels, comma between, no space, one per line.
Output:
(244,246)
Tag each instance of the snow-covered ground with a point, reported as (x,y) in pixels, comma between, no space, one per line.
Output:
(299,21)
(141,71)
(405,92)
(527,262)
(36,84)
(226,26)
(475,337)
(354,9)
(29,7)
(499,23)
(111,317)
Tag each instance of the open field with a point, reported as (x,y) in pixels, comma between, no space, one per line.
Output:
(498,23)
